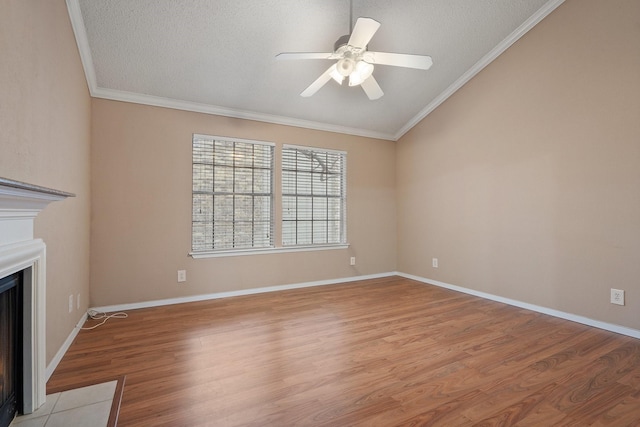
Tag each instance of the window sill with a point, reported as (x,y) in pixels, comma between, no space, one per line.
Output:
(279,250)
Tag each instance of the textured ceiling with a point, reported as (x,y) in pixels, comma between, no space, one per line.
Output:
(218,56)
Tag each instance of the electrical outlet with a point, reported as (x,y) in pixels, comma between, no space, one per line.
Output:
(434,262)
(617,296)
(352,261)
(182,276)
(70,303)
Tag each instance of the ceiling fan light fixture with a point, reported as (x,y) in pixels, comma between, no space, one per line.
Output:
(335,75)
(345,66)
(362,72)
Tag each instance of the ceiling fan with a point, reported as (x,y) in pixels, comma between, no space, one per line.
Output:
(356,62)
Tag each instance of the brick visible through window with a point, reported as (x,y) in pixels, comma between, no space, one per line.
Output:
(232,194)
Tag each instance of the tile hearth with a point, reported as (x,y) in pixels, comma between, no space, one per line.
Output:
(81,407)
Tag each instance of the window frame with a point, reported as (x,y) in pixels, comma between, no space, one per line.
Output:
(276,206)
(226,251)
(342,197)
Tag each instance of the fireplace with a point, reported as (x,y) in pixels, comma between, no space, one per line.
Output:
(10,346)
(22,268)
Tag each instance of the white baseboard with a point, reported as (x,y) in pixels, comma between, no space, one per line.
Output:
(51,367)
(218,295)
(544,310)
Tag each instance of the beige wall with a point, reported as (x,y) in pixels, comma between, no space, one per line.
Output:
(526,183)
(141,204)
(44,140)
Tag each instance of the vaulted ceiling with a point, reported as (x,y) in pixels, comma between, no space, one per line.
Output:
(218,56)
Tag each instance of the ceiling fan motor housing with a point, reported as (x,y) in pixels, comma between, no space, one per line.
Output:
(342,41)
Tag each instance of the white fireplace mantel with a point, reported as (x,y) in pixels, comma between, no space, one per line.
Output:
(20,203)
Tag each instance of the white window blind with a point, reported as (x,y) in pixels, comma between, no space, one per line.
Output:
(232,194)
(313,196)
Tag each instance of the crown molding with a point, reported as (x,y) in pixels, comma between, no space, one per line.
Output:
(542,13)
(156,101)
(77,23)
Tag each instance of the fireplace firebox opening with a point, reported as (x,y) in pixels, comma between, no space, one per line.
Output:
(11,347)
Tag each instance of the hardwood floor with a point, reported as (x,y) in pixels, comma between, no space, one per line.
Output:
(381,352)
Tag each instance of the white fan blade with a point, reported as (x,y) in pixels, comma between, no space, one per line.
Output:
(421,62)
(320,81)
(304,55)
(363,31)
(372,88)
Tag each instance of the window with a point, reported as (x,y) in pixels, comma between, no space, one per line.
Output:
(313,196)
(232,194)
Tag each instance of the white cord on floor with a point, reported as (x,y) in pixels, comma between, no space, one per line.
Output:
(97,315)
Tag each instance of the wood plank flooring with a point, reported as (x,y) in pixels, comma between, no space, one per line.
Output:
(384,352)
